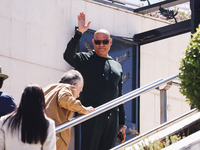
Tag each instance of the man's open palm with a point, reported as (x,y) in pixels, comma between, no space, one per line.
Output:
(82,26)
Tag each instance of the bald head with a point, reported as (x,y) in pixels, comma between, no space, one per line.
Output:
(102,31)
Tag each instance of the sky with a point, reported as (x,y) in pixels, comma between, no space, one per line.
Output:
(145,3)
(151,1)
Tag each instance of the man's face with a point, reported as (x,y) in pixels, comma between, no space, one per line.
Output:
(79,88)
(102,43)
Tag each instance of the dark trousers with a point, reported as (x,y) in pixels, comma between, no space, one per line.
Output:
(100,133)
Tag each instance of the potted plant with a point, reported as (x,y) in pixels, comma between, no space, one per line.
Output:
(190,71)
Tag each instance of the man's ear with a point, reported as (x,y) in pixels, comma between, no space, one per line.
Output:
(76,85)
(93,42)
(110,41)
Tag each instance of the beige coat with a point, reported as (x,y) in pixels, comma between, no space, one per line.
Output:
(60,106)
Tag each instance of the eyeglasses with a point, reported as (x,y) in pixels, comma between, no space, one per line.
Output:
(98,42)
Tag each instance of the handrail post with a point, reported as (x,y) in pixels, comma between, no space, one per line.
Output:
(163,102)
(163,106)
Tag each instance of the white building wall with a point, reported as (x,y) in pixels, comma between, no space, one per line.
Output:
(161,60)
(34,35)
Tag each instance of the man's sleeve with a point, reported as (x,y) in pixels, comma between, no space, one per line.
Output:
(9,105)
(67,101)
(70,55)
(122,116)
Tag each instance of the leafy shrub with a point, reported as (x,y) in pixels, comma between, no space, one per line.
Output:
(169,139)
(190,71)
(160,143)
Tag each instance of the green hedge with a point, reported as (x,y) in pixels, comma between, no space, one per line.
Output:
(190,71)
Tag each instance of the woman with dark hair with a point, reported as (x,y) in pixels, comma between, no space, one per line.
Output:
(28,128)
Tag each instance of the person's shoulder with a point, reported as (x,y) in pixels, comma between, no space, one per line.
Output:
(64,85)
(6,96)
(86,54)
(52,86)
(113,61)
(66,88)
(56,87)
(115,65)
(3,118)
(51,121)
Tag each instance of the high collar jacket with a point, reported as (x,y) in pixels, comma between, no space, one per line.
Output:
(102,76)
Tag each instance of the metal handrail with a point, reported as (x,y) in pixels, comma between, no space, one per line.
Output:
(116,102)
(154,130)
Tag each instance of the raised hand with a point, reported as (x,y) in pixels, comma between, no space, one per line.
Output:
(82,26)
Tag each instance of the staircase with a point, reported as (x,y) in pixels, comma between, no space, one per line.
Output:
(177,126)
(181,124)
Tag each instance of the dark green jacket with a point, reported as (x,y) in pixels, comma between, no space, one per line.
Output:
(102,76)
